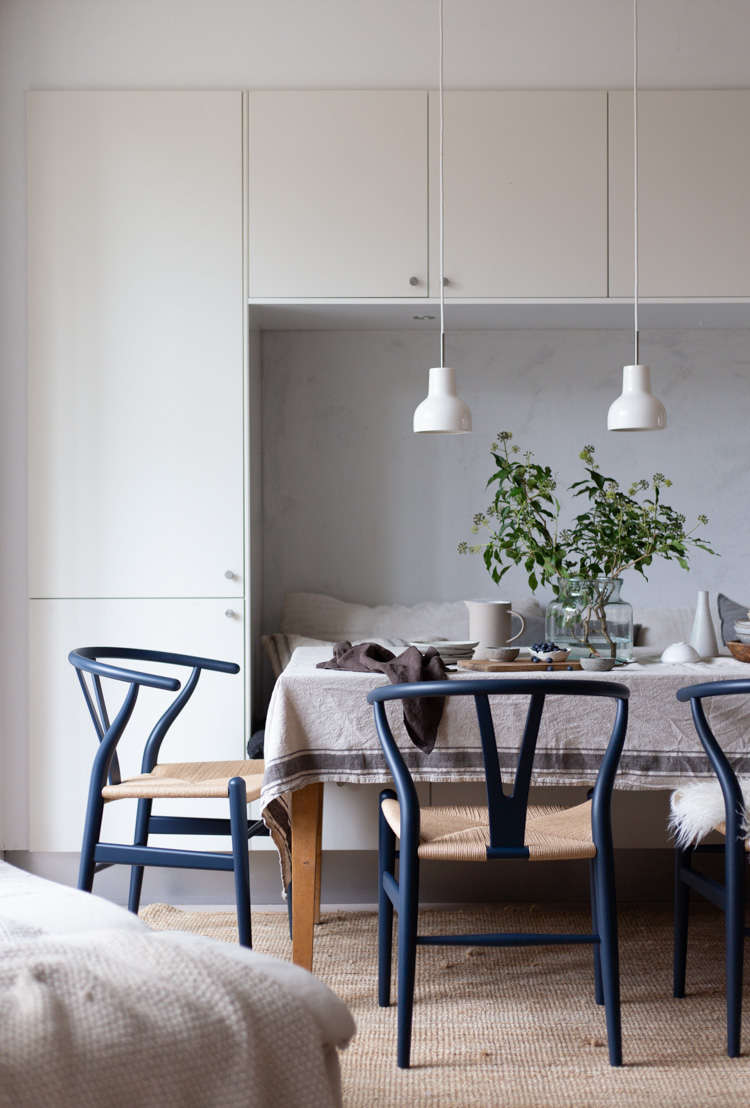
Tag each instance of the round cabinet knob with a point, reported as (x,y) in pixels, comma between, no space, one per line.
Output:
(414,280)
(229,613)
(229,575)
(445,281)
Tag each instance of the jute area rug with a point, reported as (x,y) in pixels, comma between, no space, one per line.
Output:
(519,1028)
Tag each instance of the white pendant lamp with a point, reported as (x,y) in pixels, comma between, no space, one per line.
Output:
(442,413)
(636,409)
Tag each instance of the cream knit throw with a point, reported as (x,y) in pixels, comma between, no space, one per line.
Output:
(124,1019)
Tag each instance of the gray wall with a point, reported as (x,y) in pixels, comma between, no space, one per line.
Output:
(357,506)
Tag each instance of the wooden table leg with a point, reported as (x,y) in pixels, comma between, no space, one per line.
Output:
(318,859)
(307,805)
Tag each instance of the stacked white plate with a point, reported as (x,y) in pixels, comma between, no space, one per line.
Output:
(742,630)
(450,651)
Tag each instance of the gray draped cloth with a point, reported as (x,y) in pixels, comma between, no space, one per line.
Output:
(421,716)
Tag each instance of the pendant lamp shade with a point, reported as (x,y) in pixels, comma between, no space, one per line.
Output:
(636,409)
(442,412)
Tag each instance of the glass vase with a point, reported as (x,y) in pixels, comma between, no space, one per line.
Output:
(590,617)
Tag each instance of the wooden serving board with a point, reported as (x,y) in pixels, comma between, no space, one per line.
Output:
(486,665)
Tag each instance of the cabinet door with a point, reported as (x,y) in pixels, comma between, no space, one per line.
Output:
(62,741)
(135,343)
(525,177)
(693,194)
(337,194)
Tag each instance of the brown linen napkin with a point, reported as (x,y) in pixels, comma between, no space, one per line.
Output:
(421,716)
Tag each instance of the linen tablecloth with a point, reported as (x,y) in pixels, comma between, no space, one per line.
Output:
(320,728)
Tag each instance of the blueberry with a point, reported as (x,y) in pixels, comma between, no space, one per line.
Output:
(535,659)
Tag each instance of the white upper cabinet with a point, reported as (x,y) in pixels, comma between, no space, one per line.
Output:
(337,194)
(693,193)
(135,344)
(525,194)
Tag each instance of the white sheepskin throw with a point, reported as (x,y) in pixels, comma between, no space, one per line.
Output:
(698,808)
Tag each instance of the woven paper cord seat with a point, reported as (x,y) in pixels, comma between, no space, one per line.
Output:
(187,780)
(463,834)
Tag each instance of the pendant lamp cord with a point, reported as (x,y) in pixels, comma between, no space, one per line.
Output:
(442,200)
(635,174)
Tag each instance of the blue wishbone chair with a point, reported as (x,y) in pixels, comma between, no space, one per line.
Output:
(729,897)
(509,829)
(238,781)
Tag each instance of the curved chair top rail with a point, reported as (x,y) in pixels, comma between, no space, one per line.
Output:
(506,808)
(491,685)
(87,658)
(714,688)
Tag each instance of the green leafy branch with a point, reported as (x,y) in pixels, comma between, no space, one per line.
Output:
(617,531)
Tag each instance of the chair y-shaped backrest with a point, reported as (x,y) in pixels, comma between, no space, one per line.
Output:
(507,810)
(87,661)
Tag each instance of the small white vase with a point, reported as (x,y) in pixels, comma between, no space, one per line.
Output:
(703,636)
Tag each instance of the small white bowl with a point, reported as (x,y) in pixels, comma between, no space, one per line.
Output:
(680,652)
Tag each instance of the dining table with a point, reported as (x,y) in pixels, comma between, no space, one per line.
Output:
(320,729)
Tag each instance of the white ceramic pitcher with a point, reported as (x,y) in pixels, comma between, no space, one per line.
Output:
(490,623)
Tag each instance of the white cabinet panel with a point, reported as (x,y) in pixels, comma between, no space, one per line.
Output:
(525,194)
(62,740)
(135,343)
(337,194)
(693,194)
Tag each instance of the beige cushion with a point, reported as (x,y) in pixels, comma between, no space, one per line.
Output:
(325,617)
(463,833)
(189,779)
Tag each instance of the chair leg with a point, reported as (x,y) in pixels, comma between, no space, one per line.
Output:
(735,941)
(91,832)
(598,991)
(606,912)
(681,918)
(386,864)
(241,855)
(408,909)
(143,815)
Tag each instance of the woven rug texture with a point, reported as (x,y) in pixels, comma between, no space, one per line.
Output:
(519,1028)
